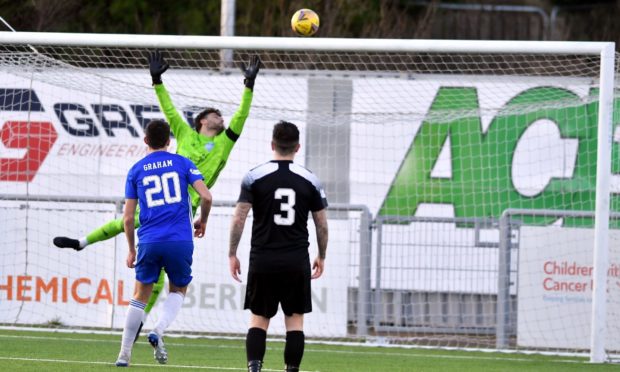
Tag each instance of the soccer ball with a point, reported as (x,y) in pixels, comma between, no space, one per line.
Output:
(305,22)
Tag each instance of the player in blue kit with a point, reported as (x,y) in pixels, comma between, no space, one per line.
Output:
(159,184)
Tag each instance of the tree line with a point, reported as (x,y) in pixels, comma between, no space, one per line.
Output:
(577,20)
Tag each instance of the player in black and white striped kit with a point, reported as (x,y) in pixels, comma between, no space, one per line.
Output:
(281,194)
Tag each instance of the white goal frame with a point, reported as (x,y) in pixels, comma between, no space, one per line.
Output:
(605,50)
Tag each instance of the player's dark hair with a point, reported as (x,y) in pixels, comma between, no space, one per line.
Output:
(285,137)
(202,115)
(157,134)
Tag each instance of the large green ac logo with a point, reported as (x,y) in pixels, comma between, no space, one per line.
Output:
(482,183)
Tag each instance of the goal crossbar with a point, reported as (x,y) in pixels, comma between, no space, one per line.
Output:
(292,43)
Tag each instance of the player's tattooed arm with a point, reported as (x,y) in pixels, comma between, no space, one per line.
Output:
(236,229)
(237,225)
(320,222)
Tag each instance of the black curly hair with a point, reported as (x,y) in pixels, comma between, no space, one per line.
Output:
(202,115)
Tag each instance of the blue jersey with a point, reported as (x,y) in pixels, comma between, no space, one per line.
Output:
(160,181)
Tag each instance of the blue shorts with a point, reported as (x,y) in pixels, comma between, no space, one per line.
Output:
(175,257)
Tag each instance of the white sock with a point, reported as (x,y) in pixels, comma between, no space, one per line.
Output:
(83,242)
(135,312)
(172,305)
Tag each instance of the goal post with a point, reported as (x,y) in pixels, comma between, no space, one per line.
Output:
(434,139)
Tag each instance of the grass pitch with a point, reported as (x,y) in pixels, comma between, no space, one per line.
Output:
(59,351)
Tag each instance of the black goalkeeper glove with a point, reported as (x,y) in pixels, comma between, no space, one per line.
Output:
(157,66)
(251,71)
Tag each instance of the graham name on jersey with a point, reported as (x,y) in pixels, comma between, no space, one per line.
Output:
(158,164)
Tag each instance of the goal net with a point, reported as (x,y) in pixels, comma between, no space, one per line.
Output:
(421,155)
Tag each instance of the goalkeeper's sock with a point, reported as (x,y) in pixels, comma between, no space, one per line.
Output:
(138,332)
(135,312)
(157,288)
(172,305)
(144,318)
(255,344)
(294,350)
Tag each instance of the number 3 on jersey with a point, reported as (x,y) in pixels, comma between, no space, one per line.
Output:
(155,185)
(287,217)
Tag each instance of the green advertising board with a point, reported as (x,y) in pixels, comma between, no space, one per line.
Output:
(482,181)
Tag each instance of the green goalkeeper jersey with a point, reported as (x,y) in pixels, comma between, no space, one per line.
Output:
(209,154)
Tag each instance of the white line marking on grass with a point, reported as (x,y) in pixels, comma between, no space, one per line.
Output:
(45,360)
(446,356)
(71,339)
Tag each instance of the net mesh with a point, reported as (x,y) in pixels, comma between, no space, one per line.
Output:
(435,146)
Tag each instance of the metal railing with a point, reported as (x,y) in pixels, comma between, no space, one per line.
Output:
(364,230)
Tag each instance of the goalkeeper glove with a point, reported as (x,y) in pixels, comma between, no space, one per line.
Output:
(157,66)
(251,71)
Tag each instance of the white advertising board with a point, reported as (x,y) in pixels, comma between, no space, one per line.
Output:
(555,288)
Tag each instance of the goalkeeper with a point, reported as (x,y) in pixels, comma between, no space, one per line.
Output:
(208,146)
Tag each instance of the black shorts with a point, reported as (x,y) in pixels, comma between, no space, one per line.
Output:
(291,289)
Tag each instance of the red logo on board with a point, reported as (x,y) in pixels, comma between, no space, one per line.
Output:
(36,137)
